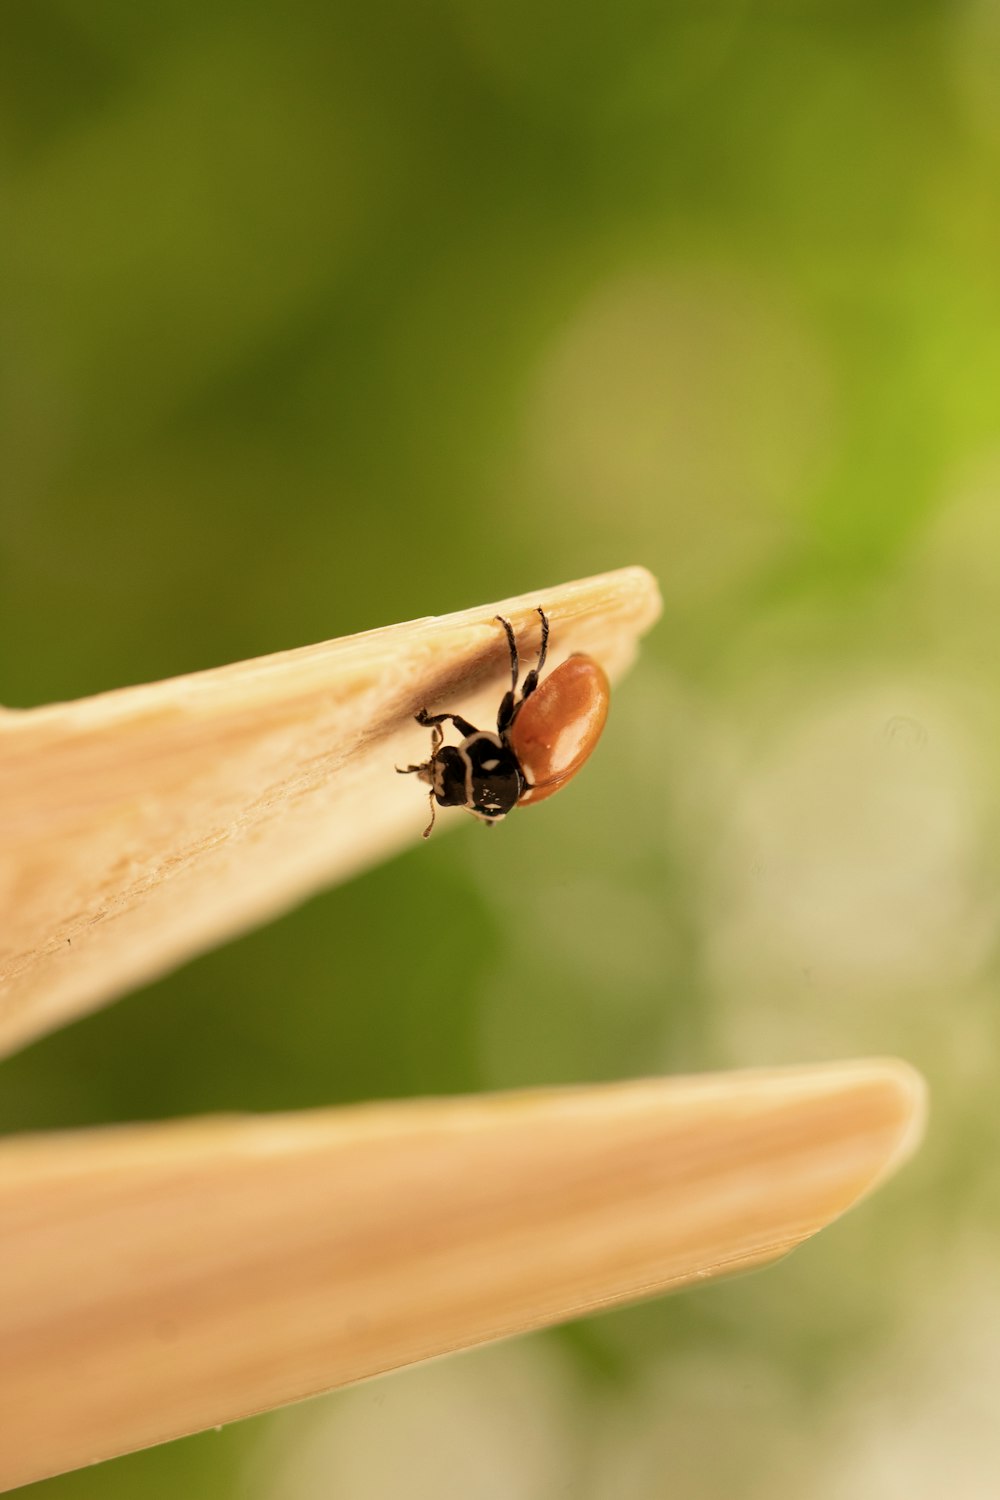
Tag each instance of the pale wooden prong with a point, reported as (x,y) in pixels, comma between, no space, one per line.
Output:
(160,1279)
(144,825)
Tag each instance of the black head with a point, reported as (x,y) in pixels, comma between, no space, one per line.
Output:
(493,780)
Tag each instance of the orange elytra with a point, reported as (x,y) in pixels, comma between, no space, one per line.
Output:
(556,729)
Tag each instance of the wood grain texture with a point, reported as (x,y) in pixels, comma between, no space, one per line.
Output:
(142,826)
(165,1278)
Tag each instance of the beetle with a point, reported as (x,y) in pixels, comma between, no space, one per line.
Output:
(543,736)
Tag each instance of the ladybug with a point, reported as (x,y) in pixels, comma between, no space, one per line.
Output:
(542,738)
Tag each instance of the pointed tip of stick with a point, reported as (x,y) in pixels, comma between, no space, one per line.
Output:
(906,1090)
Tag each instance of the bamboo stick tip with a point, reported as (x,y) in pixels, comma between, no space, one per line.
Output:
(906,1092)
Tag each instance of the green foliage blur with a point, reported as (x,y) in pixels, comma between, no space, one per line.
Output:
(318,317)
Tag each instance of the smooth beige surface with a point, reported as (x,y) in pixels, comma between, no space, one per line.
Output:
(144,825)
(161,1279)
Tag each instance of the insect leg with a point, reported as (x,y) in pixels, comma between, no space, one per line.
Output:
(515,665)
(505,716)
(432,721)
(531,681)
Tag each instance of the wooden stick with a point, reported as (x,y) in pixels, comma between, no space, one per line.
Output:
(144,825)
(156,1280)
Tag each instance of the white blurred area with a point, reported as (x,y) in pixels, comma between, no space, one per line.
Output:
(493,1424)
(920,1422)
(846,877)
(851,879)
(515,1422)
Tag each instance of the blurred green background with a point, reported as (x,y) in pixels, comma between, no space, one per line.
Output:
(319,317)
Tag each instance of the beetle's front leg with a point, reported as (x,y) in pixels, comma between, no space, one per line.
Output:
(431,721)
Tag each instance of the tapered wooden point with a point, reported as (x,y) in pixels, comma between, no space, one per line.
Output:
(144,825)
(161,1279)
